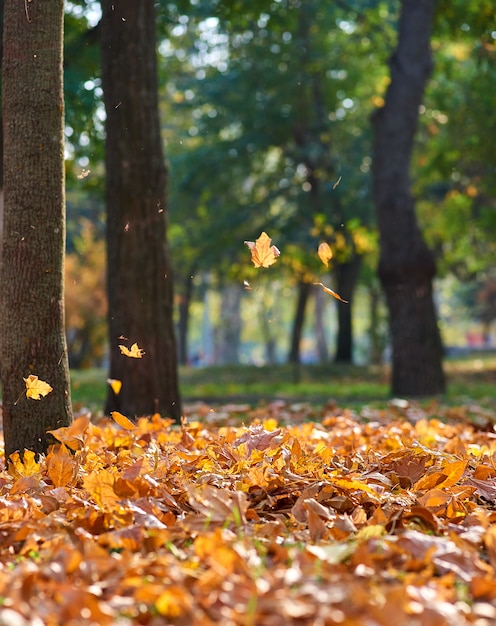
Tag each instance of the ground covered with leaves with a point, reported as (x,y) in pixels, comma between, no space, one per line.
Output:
(277,515)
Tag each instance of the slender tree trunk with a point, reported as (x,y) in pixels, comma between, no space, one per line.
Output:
(139,275)
(304,290)
(346,279)
(184,310)
(32,331)
(376,337)
(406,265)
(320,300)
(229,336)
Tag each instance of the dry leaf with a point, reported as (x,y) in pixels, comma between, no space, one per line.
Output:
(331,292)
(337,182)
(325,253)
(115,385)
(122,420)
(36,388)
(25,466)
(263,254)
(73,436)
(135,352)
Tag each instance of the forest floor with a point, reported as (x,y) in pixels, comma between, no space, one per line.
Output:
(283,512)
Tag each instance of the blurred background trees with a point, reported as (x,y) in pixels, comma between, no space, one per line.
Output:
(264,109)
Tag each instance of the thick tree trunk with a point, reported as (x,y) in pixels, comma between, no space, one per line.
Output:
(304,290)
(346,279)
(139,276)
(32,332)
(406,265)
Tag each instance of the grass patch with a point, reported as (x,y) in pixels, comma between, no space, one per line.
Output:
(469,379)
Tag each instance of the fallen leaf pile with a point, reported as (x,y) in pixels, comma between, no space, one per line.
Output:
(384,518)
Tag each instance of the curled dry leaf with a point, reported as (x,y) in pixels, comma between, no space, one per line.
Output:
(263,254)
(331,292)
(325,253)
(73,436)
(122,420)
(36,388)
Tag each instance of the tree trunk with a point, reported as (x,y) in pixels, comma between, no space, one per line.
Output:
(406,265)
(229,335)
(32,291)
(304,290)
(346,279)
(376,336)
(183,323)
(321,299)
(139,276)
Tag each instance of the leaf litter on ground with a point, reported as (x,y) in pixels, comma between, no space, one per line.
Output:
(293,517)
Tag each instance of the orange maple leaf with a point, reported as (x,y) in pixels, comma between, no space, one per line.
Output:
(263,254)
(135,352)
(73,436)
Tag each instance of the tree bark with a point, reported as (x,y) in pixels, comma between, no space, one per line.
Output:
(346,279)
(139,275)
(304,290)
(32,335)
(406,265)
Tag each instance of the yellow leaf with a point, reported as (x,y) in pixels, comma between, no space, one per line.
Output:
(331,292)
(371,532)
(122,420)
(35,388)
(135,352)
(173,602)
(116,385)
(325,253)
(262,253)
(100,486)
(27,466)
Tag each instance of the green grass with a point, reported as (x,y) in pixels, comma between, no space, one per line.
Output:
(469,379)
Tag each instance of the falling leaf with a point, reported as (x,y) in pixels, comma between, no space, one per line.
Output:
(115,385)
(325,253)
(73,436)
(36,388)
(122,420)
(331,292)
(337,182)
(135,352)
(262,253)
